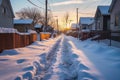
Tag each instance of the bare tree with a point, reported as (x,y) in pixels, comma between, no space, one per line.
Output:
(66,18)
(32,13)
(36,15)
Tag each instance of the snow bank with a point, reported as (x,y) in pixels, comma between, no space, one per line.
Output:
(25,63)
(12,30)
(98,60)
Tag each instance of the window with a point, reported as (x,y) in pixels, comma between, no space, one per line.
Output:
(3,10)
(117,20)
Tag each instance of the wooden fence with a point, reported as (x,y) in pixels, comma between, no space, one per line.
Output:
(15,40)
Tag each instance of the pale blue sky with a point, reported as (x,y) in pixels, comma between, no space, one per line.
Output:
(60,7)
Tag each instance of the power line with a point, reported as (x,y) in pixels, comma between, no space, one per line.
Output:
(41,2)
(34,4)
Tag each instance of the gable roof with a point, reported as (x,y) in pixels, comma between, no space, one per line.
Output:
(10,6)
(104,10)
(1,2)
(86,20)
(112,5)
(23,21)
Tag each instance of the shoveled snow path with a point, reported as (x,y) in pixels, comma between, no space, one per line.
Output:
(64,63)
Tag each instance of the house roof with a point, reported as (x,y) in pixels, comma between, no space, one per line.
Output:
(104,10)
(86,20)
(10,6)
(38,26)
(23,21)
(112,5)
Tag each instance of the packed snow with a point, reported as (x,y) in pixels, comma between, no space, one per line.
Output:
(61,58)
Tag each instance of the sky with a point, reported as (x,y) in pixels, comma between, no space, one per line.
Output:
(87,8)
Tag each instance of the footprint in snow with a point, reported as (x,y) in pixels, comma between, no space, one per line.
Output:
(20,61)
(4,59)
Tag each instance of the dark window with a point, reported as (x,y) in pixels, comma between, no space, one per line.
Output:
(116,20)
(3,10)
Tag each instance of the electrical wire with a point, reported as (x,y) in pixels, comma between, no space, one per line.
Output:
(41,2)
(34,4)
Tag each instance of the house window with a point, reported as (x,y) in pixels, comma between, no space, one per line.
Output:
(3,10)
(117,20)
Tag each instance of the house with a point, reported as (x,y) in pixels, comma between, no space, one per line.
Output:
(6,14)
(39,28)
(115,15)
(74,27)
(86,23)
(23,25)
(115,20)
(102,18)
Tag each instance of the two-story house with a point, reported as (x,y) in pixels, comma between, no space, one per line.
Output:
(6,14)
(115,15)
(115,19)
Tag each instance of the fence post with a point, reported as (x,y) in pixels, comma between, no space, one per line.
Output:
(110,38)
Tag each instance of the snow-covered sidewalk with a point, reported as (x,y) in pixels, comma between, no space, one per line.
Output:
(63,58)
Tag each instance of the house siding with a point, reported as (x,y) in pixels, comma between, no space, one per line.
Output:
(6,20)
(115,11)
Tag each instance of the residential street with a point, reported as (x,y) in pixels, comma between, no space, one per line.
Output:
(59,40)
(62,58)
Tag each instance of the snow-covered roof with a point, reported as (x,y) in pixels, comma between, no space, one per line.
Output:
(38,26)
(8,30)
(104,10)
(74,25)
(23,21)
(86,20)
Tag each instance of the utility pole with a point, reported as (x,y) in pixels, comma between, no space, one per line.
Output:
(77,15)
(57,25)
(78,30)
(46,14)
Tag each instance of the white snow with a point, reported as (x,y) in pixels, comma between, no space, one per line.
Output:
(8,30)
(12,30)
(62,58)
(104,10)
(31,31)
(23,21)
(38,26)
(74,25)
(85,30)
(113,43)
(86,20)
